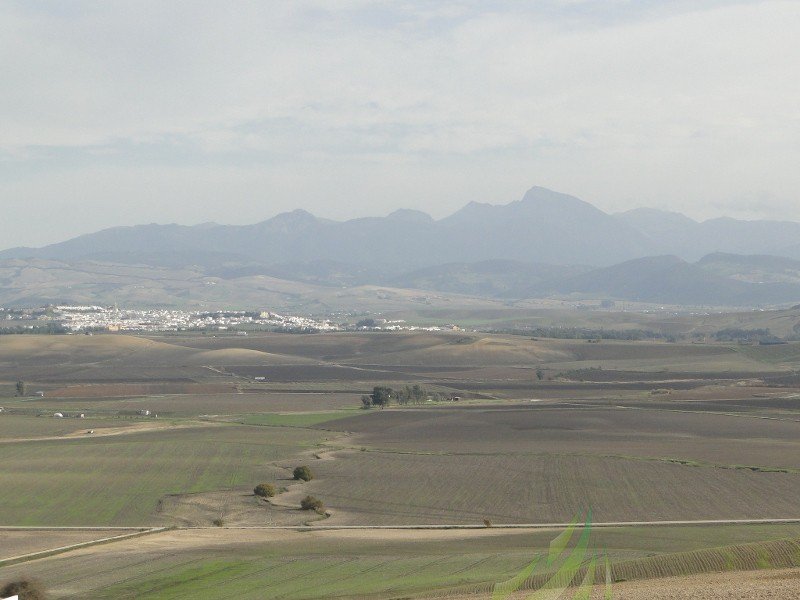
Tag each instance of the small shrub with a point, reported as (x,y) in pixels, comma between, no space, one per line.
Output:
(303,474)
(265,490)
(487,523)
(218,522)
(26,589)
(311,503)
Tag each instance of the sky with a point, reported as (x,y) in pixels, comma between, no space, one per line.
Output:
(125,112)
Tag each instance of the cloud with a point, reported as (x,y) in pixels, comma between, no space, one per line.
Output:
(682,105)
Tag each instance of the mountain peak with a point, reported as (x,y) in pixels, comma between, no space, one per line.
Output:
(297,216)
(408,215)
(539,196)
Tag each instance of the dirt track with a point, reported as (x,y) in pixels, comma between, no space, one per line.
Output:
(112,431)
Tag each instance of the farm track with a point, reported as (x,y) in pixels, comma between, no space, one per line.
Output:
(423,527)
(112,431)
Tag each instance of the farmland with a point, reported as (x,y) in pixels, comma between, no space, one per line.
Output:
(185,425)
(119,480)
(313,564)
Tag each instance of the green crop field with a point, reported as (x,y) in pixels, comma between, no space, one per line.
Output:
(119,480)
(305,565)
(27,426)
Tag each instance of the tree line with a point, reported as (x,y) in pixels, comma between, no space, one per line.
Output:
(383,396)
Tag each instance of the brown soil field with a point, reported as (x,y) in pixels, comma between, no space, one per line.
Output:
(138,389)
(311,373)
(787,408)
(545,462)
(753,585)
(188,405)
(53,376)
(780,584)
(124,350)
(553,428)
(381,488)
(327,347)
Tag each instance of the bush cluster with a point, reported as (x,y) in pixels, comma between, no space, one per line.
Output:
(302,474)
(312,503)
(265,490)
(26,589)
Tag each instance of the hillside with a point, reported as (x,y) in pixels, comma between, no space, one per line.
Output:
(674,233)
(671,280)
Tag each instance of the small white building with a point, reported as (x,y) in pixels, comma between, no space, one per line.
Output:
(58,415)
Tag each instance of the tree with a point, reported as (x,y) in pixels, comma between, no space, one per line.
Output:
(26,589)
(302,474)
(382,396)
(21,388)
(418,393)
(366,401)
(265,490)
(539,374)
(404,395)
(311,503)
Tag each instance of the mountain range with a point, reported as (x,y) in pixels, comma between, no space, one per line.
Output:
(544,244)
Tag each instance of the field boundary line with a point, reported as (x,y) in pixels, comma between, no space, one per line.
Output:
(6,562)
(73,528)
(609,524)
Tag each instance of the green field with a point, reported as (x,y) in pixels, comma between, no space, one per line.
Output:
(119,480)
(305,565)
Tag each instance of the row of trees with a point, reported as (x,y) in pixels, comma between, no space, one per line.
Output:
(411,394)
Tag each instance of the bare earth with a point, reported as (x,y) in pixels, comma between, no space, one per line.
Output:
(21,542)
(753,585)
(750,585)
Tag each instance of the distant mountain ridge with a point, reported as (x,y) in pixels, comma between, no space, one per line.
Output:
(544,227)
(546,244)
(675,233)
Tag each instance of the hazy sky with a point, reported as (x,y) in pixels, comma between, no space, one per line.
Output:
(120,112)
